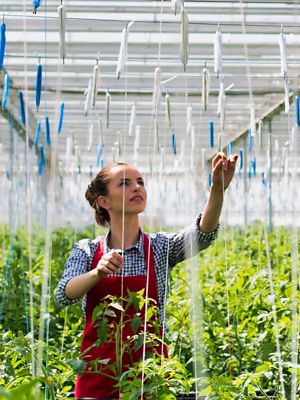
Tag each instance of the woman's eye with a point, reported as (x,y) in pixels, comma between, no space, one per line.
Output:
(123,183)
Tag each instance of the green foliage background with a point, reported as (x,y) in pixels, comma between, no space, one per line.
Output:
(219,304)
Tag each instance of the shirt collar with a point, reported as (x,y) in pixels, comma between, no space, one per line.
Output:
(139,245)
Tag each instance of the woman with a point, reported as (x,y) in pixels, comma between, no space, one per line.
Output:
(95,270)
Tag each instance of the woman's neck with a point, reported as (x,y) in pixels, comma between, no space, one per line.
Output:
(129,234)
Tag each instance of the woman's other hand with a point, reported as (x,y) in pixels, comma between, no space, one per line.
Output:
(110,263)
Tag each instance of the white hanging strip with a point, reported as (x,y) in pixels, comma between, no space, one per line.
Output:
(78,156)
(69,145)
(220,140)
(184,38)
(95,84)
(88,98)
(113,154)
(119,143)
(205,88)
(168,109)
(189,114)
(276,150)
(286,95)
(293,139)
(284,68)
(283,56)
(203,159)
(259,134)
(193,148)
(221,105)
(182,152)
(101,136)
(132,122)
(137,141)
(91,130)
(61,24)
(156,91)
(156,134)
(162,161)
(252,120)
(121,66)
(122,59)
(107,108)
(176,5)
(218,53)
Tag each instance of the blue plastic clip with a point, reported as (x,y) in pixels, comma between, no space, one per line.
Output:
(241,157)
(173,142)
(211,133)
(48,141)
(37,134)
(35,5)
(38,85)
(22,108)
(5,95)
(61,117)
(99,156)
(2,43)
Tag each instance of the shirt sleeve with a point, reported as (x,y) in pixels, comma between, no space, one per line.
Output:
(188,242)
(78,263)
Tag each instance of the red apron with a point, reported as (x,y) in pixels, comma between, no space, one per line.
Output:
(96,385)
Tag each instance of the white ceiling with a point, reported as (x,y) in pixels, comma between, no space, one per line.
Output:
(251,59)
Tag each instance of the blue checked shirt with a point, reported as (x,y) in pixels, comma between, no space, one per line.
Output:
(168,250)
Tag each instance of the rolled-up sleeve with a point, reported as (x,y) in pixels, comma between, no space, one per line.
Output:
(77,263)
(188,242)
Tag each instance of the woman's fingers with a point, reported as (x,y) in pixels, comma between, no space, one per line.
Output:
(110,263)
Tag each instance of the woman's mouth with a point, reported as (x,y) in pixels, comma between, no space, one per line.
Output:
(137,198)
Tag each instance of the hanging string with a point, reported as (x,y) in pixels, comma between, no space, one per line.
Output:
(107,108)
(274,313)
(28,200)
(132,121)
(155,107)
(88,98)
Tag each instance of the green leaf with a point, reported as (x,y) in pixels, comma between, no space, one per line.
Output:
(78,366)
(117,306)
(102,331)
(135,323)
(109,313)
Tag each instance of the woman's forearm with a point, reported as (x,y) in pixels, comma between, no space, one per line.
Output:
(212,210)
(81,284)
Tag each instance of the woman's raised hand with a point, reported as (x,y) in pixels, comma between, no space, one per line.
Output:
(223,170)
(110,263)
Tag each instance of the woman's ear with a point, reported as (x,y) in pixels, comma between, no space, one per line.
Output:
(103,202)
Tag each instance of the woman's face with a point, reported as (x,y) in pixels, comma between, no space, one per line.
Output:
(126,189)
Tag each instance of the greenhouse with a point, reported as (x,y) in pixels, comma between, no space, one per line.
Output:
(150,199)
